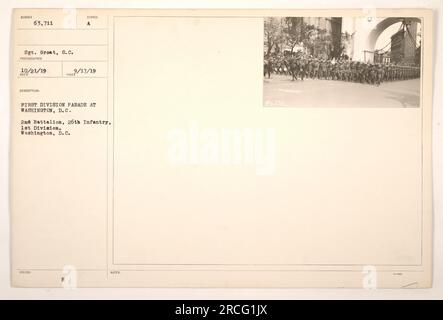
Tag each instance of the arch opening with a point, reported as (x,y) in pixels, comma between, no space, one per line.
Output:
(382,26)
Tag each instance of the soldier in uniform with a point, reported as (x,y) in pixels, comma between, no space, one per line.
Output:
(267,67)
(380,74)
(293,67)
(323,69)
(309,68)
(358,71)
(342,70)
(346,71)
(334,68)
(372,72)
(302,68)
(315,67)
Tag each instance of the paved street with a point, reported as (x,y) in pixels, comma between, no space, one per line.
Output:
(282,91)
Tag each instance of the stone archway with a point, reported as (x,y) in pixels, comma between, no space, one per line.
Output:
(382,26)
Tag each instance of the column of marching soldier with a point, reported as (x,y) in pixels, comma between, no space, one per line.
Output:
(344,70)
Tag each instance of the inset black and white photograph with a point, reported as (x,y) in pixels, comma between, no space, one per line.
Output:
(342,62)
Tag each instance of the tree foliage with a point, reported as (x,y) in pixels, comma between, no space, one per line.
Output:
(291,32)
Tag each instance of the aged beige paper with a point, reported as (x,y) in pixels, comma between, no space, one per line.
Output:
(221,148)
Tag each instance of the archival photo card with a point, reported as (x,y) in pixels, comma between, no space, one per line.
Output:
(221,148)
